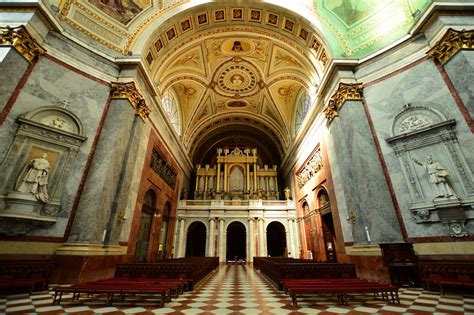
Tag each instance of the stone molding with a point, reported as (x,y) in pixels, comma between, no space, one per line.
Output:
(452,42)
(130,92)
(344,92)
(22,41)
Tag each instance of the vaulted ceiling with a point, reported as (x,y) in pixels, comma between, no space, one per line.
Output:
(239,72)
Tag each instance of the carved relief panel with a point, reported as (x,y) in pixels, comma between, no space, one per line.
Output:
(35,171)
(439,180)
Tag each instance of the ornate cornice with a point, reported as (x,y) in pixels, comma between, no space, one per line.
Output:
(344,92)
(22,41)
(452,42)
(129,91)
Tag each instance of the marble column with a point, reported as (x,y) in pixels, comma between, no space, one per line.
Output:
(212,237)
(291,236)
(261,238)
(251,240)
(197,183)
(222,257)
(181,237)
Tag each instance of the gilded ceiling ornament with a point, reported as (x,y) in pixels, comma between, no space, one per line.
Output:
(186,91)
(285,59)
(214,48)
(22,41)
(451,43)
(287,92)
(260,49)
(345,91)
(191,58)
(129,91)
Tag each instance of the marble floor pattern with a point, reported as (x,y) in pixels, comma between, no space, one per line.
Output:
(239,289)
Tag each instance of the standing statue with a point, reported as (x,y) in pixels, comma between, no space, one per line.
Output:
(286,191)
(34,178)
(437,176)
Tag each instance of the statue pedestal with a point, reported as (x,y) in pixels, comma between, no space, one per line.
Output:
(22,213)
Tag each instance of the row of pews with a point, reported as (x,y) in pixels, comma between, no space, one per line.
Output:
(25,275)
(161,280)
(299,277)
(452,274)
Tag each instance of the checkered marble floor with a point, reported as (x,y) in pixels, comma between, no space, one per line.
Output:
(238,289)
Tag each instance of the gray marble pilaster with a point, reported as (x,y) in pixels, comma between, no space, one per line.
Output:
(460,69)
(12,68)
(358,177)
(100,189)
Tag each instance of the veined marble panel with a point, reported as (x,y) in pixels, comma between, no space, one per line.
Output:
(359,179)
(421,85)
(51,84)
(461,73)
(97,199)
(12,68)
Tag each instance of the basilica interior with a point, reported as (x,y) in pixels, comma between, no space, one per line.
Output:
(323,131)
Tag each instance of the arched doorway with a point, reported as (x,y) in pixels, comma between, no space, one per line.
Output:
(276,240)
(143,237)
(163,240)
(327,226)
(196,240)
(236,241)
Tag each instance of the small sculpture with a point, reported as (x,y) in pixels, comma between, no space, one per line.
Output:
(287,193)
(34,178)
(437,176)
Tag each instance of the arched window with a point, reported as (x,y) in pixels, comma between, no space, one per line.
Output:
(303,104)
(168,101)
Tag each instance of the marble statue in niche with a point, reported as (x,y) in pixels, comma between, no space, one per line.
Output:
(437,176)
(287,193)
(34,178)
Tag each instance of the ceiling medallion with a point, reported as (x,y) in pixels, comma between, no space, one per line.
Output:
(237,79)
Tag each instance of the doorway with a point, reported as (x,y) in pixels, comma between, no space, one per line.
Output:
(143,237)
(276,240)
(163,239)
(196,240)
(236,242)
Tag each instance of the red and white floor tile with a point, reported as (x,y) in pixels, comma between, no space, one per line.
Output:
(237,289)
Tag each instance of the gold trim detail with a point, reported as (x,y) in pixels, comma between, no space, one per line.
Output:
(452,42)
(22,41)
(130,92)
(345,91)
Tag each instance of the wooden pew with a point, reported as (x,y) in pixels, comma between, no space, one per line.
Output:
(27,275)
(447,274)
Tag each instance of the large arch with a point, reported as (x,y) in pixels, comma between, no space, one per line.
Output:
(196,240)
(236,241)
(276,240)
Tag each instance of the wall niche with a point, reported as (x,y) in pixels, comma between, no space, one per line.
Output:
(437,175)
(34,172)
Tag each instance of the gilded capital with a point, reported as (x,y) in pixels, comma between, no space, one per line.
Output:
(130,92)
(344,92)
(452,42)
(22,41)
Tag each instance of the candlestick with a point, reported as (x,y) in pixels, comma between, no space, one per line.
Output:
(368,235)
